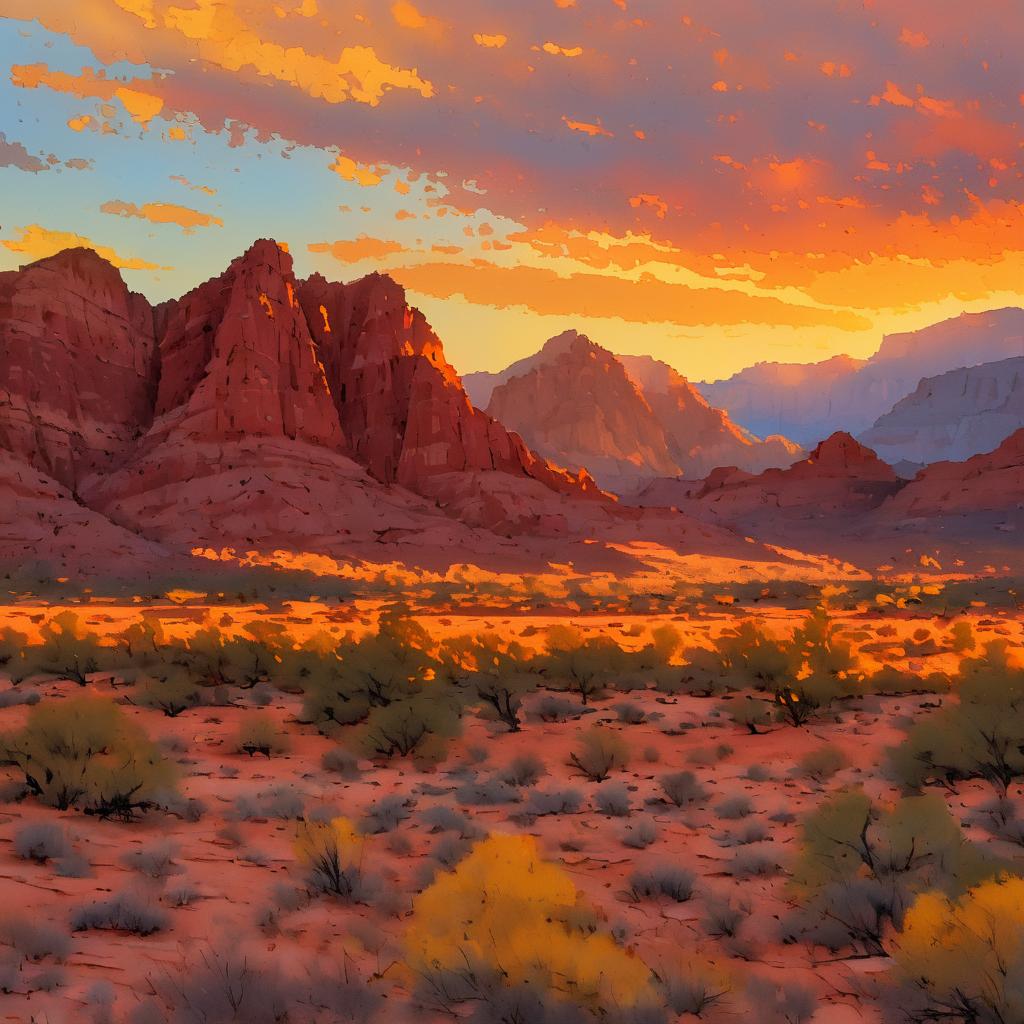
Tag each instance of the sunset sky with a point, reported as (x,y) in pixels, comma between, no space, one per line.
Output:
(714,183)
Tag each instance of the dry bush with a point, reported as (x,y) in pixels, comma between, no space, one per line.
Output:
(332,853)
(124,912)
(681,788)
(662,880)
(599,753)
(259,734)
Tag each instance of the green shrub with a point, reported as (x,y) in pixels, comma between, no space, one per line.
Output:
(85,752)
(259,734)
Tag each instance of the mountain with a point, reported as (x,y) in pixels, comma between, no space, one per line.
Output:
(255,410)
(627,419)
(701,437)
(839,478)
(954,415)
(805,402)
(985,483)
(78,365)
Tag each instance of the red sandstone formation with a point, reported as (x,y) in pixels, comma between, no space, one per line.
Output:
(77,364)
(992,482)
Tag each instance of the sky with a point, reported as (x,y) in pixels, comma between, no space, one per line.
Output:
(715,183)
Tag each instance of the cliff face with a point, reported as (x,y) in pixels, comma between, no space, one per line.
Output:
(953,416)
(78,365)
(402,406)
(806,402)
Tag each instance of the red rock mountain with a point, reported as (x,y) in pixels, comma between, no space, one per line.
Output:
(840,477)
(701,437)
(627,419)
(78,365)
(991,482)
(255,409)
(401,404)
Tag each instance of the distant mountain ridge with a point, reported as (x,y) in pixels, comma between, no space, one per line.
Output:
(626,418)
(953,416)
(807,402)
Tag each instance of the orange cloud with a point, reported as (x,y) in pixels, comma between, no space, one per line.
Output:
(913,39)
(224,39)
(656,203)
(594,295)
(142,106)
(182,180)
(346,168)
(356,249)
(586,128)
(562,51)
(163,213)
(37,242)
(496,41)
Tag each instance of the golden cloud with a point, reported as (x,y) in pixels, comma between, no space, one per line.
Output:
(646,300)
(37,242)
(225,39)
(357,249)
(142,105)
(163,213)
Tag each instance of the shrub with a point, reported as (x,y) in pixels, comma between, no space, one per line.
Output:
(505,918)
(734,807)
(722,919)
(629,713)
(583,666)
(981,735)
(695,987)
(963,959)
(446,819)
(612,798)
(41,841)
(85,752)
(749,713)
(541,802)
(821,764)
(486,793)
(861,865)
(640,834)
(666,880)
(524,770)
(332,854)
(156,861)
(496,669)
(172,692)
(342,762)
(386,814)
(418,727)
(682,788)
(68,650)
(551,708)
(751,861)
(34,940)
(259,734)
(781,1004)
(600,752)
(125,912)
(281,802)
